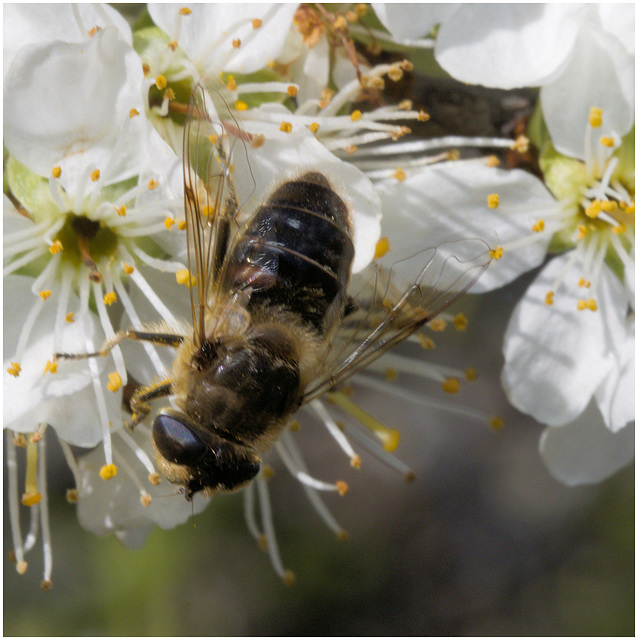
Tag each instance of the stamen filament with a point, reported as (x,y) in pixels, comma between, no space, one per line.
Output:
(333,428)
(300,475)
(389,437)
(47,548)
(14,503)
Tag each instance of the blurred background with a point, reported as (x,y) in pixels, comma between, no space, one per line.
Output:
(483,542)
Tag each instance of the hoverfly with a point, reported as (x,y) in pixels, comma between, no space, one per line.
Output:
(277,316)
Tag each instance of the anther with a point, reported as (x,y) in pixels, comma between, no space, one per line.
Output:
(492,200)
(595,117)
(108,471)
(286,127)
(451,385)
(184,276)
(56,172)
(115,382)
(382,247)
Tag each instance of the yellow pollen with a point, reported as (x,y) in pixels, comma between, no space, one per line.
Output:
(115,382)
(21,567)
(50,367)
(391,374)
(521,144)
(389,437)
(110,298)
(425,342)
(423,117)
(161,82)
(152,184)
(56,172)
(30,498)
(69,317)
(607,141)
(133,112)
(342,487)
(590,304)
(437,325)
(240,105)
(108,471)
(257,140)
(340,22)
(382,247)
(185,11)
(460,322)
(496,253)
(451,385)
(45,294)
(539,226)
(496,423)
(361,9)
(493,161)
(549,298)
(453,155)
(181,224)
(351,16)
(400,132)
(351,148)
(470,374)
(405,105)
(14,369)
(208,211)
(609,206)
(406,65)
(292,91)
(355,462)
(236,43)
(630,209)
(314,127)
(256,22)
(145,68)
(492,200)
(594,209)
(268,471)
(582,231)
(19,440)
(154,478)
(288,578)
(172,45)
(355,116)
(595,117)
(286,127)
(169,222)
(621,228)
(121,211)
(399,174)
(231,85)
(146,499)
(95,176)
(93,31)
(72,496)
(395,73)
(184,276)
(56,247)
(584,283)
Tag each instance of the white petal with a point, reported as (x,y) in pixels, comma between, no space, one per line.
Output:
(113,506)
(410,21)
(64,400)
(556,356)
(27,23)
(67,104)
(311,71)
(585,450)
(600,73)
(616,395)
(207,34)
(449,202)
(619,19)
(506,45)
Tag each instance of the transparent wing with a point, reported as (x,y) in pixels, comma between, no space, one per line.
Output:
(392,300)
(212,209)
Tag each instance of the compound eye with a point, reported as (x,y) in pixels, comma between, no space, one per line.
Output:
(176,441)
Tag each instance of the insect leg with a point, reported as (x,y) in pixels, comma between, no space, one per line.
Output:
(162,339)
(141,398)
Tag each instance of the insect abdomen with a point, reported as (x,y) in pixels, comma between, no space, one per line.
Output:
(297,251)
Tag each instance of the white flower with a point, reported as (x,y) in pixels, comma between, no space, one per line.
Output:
(578,54)
(91,186)
(569,345)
